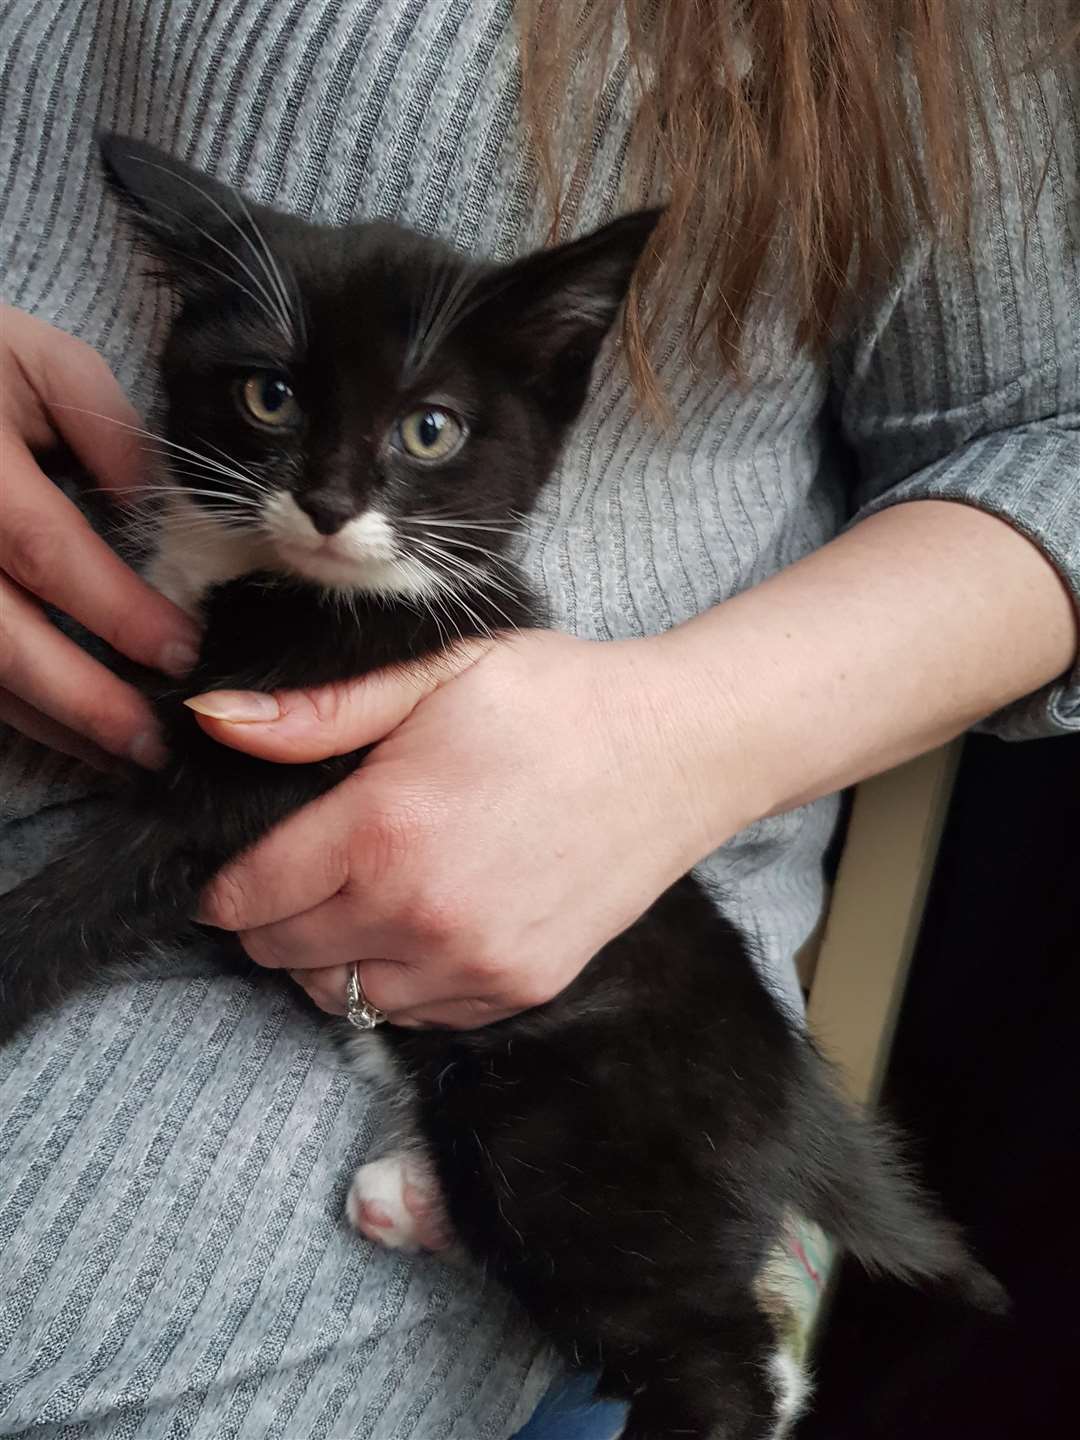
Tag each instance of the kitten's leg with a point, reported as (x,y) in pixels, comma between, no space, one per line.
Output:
(791,1386)
(395,1198)
(396,1202)
(732,1385)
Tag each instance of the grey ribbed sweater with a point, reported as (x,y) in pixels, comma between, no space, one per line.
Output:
(173,1154)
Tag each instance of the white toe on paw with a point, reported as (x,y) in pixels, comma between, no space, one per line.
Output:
(376,1204)
(395,1202)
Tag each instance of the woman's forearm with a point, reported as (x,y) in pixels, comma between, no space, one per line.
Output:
(890,640)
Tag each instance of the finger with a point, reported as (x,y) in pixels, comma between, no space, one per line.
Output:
(453,1015)
(36,726)
(297,726)
(327,934)
(330,933)
(84,403)
(300,946)
(328,988)
(47,671)
(50,549)
(300,864)
(401,987)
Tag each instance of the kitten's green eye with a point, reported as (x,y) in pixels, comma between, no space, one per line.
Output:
(268,398)
(430,433)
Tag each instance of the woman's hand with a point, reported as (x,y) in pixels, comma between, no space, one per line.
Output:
(49,688)
(541,792)
(526,805)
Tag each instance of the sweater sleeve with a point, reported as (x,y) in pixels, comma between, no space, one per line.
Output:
(963,382)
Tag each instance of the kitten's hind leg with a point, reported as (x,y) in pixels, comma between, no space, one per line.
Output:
(731,1385)
(396,1201)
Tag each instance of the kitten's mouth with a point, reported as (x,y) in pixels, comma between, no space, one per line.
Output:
(344,564)
(332,559)
(363,555)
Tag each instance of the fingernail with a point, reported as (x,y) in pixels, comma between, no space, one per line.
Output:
(178,658)
(241,707)
(148,751)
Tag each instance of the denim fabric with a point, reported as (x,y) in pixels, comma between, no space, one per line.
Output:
(570,1411)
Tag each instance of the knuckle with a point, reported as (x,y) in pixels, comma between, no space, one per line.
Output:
(31,552)
(103,710)
(385,842)
(7,649)
(224,903)
(104,728)
(327,705)
(330,867)
(264,949)
(480,969)
(474,1014)
(384,993)
(79,351)
(319,985)
(69,355)
(439,921)
(530,992)
(120,629)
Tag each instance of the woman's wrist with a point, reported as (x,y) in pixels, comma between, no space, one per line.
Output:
(695,756)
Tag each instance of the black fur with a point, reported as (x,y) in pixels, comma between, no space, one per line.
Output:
(623,1157)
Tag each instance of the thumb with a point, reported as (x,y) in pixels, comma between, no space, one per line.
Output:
(298,726)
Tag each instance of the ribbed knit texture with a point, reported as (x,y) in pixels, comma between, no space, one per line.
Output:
(174,1153)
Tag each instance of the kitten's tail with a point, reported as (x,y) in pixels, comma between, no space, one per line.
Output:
(859,1188)
(97,910)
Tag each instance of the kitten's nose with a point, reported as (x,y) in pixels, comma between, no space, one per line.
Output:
(328,510)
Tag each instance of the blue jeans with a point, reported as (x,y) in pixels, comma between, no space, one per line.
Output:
(570,1411)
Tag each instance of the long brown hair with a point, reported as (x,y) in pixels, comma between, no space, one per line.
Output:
(817,129)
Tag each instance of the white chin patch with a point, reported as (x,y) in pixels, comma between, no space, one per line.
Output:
(362,555)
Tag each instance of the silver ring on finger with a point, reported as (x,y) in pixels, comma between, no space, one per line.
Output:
(358,1007)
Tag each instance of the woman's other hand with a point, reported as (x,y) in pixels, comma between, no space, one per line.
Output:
(55,390)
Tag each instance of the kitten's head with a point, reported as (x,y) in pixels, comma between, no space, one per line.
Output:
(376,407)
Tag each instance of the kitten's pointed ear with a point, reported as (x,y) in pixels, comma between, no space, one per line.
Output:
(562,303)
(176,208)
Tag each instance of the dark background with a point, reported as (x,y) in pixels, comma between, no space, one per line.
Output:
(984,1077)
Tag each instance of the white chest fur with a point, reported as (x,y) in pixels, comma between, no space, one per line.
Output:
(195,552)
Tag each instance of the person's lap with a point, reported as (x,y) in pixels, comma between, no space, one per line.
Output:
(175,1156)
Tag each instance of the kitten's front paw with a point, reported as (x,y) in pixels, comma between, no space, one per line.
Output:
(396,1202)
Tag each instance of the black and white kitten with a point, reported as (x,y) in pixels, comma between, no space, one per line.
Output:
(626,1157)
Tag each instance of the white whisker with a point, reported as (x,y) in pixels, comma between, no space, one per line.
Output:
(491,555)
(150,492)
(447,308)
(450,570)
(282,318)
(158,440)
(421,519)
(288,297)
(480,577)
(243,469)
